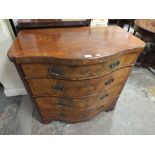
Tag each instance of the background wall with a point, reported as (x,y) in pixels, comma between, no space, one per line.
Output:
(9,77)
(99,22)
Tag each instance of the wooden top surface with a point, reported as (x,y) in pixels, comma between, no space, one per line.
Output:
(73,43)
(146,24)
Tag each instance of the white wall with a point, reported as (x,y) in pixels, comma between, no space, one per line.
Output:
(9,77)
(99,22)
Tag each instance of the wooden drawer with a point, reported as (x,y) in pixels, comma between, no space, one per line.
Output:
(74,104)
(73,116)
(78,72)
(72,74)
(66,88)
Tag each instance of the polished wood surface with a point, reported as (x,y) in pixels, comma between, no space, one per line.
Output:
(79,104)
(78,72)
(77,110)
(78,116)
(73,74)
(146,24)
(67,88)
(146,27)
(73,45)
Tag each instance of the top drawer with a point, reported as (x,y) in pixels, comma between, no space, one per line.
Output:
(78,72)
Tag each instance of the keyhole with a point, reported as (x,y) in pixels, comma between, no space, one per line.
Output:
(89,71)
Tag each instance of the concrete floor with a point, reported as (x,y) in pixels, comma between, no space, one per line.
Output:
(134,113)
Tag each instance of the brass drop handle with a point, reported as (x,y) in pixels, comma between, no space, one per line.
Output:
(60,104)
(58,87)
(55,71)
(62,114)
(114,64)
(104,96)
(108,82)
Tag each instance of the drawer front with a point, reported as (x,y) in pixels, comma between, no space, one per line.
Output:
(78,72)
(66,88)
(74,115)
(72,104)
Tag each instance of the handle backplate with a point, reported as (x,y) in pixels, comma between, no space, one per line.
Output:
(108,82)
(58,87)
(60,104)
(104,96)
(55,71)
(114,64)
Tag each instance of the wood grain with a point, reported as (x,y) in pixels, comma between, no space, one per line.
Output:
(74,46)
(74,116)
(78,104)
(79,89)
(146,24)
(74,73)
(78,72)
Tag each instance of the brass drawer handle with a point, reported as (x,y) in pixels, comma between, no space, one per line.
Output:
(58,87)
(104,96)
(108,82)
(60,104)
(62,114)
(115,64)
(55,71)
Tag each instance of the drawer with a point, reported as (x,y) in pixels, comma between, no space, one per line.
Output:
(74,104)
(71,117)
(74,116)
(78,72)
(77,88)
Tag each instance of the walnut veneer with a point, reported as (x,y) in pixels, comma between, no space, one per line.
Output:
(74,73)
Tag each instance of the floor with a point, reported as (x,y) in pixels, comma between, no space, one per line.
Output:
(134,113)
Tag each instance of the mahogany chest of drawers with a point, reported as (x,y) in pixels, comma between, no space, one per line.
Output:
(72,74)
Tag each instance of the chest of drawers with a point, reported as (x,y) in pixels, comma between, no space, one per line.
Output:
(72,74)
